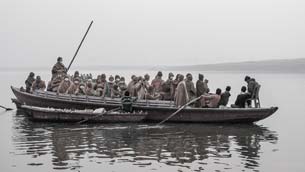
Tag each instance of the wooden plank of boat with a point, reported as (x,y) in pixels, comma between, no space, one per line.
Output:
(155,113)
(68,115)
(100,99)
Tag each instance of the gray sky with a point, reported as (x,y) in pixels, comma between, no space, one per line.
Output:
(165,32)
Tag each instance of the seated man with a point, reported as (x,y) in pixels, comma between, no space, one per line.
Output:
(225,97)
(38,84)
(115,92)
(127,102)
(211,100)
(241,98)
(151,95)
(64,85)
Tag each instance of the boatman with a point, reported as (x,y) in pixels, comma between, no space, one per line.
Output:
(59,68)
(127,102)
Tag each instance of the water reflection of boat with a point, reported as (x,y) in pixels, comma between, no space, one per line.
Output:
(184,145)
(156,110)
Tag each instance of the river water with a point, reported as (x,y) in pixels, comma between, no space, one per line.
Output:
(274,144)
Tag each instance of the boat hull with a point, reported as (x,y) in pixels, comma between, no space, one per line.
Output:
(155,113)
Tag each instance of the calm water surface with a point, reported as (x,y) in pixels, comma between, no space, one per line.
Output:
(274,144)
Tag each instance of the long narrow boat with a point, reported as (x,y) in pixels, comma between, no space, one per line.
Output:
(87,115)
(156,110)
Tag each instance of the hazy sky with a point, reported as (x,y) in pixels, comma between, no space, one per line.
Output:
(36,32)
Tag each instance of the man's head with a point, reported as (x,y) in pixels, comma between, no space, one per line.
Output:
(59,59)
(115,87)
(159,74)
(218,91)
(247,78)
(38,78)
(189,77)
(117,77)
(66,79)
(228,88)
(122,79)
(76,73)
(133,78)
(181,77)
(126,93)
(103,77)
(200,77)
(243,89)
(171,76)
(111,79)
(146,77)
(32,75)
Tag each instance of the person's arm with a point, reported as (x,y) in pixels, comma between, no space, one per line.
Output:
(43,86)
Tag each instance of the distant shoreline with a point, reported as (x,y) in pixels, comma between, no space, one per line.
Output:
(268,66)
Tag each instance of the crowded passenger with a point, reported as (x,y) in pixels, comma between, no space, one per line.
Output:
(54,83)
(64,85)
(167,87)
(211,100)
(115,92)
(29,82)
(38,84)
(117,79)
(151,94)
(157,82)
(122,85)
(74,88)
(131,86)
(241,99)
(76,76)
(181,95)
(59,68)
(251,84)
(174,85)
(89,90)
(191,91)
(225,97)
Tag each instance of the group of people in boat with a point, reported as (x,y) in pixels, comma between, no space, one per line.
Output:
(180,89)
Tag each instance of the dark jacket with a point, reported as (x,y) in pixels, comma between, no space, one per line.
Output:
(224,98)
(241,100)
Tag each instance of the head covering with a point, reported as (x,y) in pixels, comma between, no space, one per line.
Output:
(159,73)
(59,59)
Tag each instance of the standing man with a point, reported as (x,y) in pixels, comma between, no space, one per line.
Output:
(157,82)
(167,87)
(59,68)
(191,91)
(29,82)
(181,95)
(200,88)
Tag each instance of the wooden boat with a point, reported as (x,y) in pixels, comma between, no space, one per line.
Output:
(156,110)
(88,115)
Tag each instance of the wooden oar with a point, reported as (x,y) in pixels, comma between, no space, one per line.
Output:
(7,109)
(181,108)
(98,115)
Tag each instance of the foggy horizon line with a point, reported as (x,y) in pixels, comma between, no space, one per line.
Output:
(150,67)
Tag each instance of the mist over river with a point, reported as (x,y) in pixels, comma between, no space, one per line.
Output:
(273,144)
